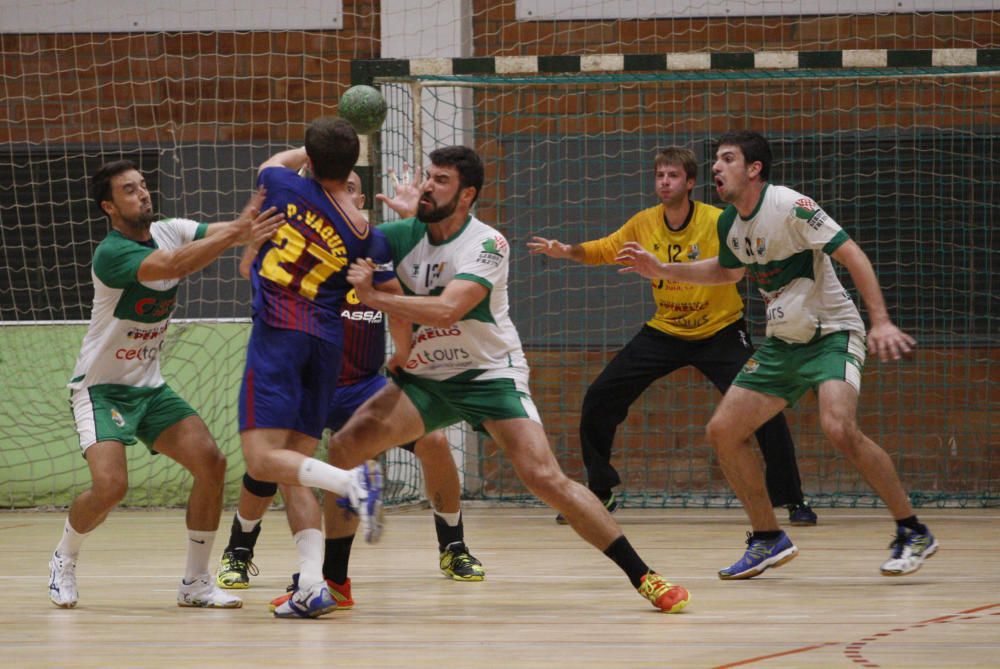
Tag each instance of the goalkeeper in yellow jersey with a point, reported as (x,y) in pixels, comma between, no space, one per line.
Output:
(694,325)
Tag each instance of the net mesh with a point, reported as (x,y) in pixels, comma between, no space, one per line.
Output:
(889,154)
(907,163)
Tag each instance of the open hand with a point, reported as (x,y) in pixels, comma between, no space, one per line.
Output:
(888,342)
(552,248)
(406,192)
(638,260)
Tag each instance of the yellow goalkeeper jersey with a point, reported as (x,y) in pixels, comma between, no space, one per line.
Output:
(683,310)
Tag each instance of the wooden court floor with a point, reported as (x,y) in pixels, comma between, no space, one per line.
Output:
(549,599)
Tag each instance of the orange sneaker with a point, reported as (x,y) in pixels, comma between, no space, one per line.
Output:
(341,593)
(665,596)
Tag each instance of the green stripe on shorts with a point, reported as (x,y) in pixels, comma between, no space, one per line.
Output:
(444,403)
(789,370)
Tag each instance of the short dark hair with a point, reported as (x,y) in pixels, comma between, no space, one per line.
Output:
(100,182)
(466,162)
(754,147)
(333,146)
(678,155)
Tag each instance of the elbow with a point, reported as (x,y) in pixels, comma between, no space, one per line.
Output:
(445,319)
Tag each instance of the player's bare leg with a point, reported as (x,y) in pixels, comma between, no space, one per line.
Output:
(525,443)
(190,444)
(386,419)
(444,490)
(913,543)
(736,418)
(729,432)
(838,403)
(109,483)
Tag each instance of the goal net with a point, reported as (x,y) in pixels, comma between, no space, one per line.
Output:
(903,159)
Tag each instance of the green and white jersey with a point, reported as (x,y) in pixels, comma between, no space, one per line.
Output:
(785,246)
(483,344)
(129,318)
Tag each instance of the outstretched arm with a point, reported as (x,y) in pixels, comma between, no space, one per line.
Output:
(885,339)
(188,259)
(554,248)
(708,272)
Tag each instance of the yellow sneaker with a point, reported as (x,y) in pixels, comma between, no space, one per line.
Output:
(665,596)
(235,569)
(457,563)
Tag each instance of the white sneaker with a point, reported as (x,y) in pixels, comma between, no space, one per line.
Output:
(203,593)
(62,581)
(309,603)
(366,499)
(909,550)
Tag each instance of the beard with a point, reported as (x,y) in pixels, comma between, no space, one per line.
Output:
(433,213)
(141,222)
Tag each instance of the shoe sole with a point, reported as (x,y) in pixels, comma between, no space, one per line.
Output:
(63,605)
(207,605)
(468,579)
(931,552)
(781,558)
(232,586)
(311,614)
(802,523)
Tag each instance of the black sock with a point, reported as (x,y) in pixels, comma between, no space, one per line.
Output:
(336,557)
(622,554)
(767,536)
(240,539)
(447,534)
(911,523)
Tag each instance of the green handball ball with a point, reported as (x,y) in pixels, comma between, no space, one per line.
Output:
(364,108)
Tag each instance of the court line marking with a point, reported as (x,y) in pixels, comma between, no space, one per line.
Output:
(853,650)
(760,658)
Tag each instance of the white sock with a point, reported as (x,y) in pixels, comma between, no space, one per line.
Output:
(69,545)
(314,473)
(247,525)
(450,518)
(199,552)
(309,544)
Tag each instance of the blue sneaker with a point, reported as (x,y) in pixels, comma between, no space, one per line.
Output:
(909,550)
(801,515)
(366,499)
(311,603)
(760,555)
